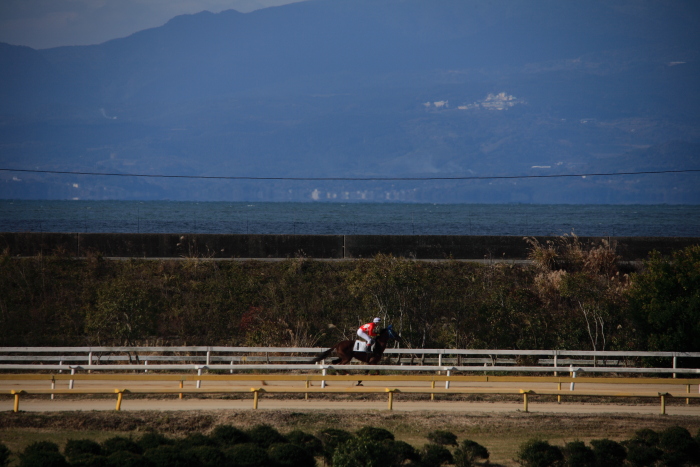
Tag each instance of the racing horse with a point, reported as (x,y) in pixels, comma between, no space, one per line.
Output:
(344,350)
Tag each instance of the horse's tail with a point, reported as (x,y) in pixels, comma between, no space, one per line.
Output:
(324,354)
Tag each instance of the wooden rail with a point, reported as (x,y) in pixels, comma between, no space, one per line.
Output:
(361,390)
(308,389)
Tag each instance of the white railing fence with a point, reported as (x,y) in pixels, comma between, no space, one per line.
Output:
(294,358)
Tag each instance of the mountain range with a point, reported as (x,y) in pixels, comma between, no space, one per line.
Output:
(433,89)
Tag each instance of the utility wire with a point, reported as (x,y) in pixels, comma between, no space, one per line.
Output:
(221,177)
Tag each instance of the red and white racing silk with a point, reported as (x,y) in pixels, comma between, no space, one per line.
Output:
(370,329)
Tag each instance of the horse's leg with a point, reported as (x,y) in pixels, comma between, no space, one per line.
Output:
(367,372)
(344,360)
(362,359)
(371,361)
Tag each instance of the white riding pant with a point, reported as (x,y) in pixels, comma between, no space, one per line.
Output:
(365,336)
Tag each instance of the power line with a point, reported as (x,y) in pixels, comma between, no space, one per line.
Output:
(222,177)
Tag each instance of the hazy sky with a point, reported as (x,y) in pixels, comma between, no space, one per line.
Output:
(51,23)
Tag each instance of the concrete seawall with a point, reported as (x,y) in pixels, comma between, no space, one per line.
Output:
(311,246)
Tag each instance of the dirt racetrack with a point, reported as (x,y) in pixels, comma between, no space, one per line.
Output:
(376,403)
(497,422)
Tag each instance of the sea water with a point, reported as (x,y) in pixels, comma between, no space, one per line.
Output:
(349,219)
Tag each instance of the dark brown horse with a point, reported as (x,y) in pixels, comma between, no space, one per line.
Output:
(344,350)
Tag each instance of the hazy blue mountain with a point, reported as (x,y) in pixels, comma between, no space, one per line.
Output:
(366,88)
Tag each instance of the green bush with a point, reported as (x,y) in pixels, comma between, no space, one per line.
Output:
(265,436)
(642,450)
(443,438)
(81,447)
(120,443)
(664,301)
(468,452)
(608,453)
(679,447)
(127,459)
(89,460)
(539,453)
(152,440)
(306,440)
(4,455)
(195,439)
(331,439)
(640,454)
(247,455)
(362,452)
(577,454)
(171,456)
(435,455)
(647,436)
(208,456)
(375,434)
(292,455)
(227,435)
(403,452)
(42,454)
(41,446)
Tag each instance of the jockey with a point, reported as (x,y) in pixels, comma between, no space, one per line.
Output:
(369,331)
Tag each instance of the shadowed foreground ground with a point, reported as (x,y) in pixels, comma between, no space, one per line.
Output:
(501,433)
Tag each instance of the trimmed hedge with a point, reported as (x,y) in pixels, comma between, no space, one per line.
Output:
(368,446)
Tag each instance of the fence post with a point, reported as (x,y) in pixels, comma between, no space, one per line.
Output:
(573,375)
(199,381)
(15,407)
(432,386)
(255,397)
(120,395)
(674,365)
(71,382)
(323,383)
(182,384)
(559,395)
(556,354)
(525,406)
(53,385)
(145,363)
(447,382)
(391,398)
(663,402)
(208,357)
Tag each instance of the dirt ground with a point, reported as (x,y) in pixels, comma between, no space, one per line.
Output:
(500,432)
